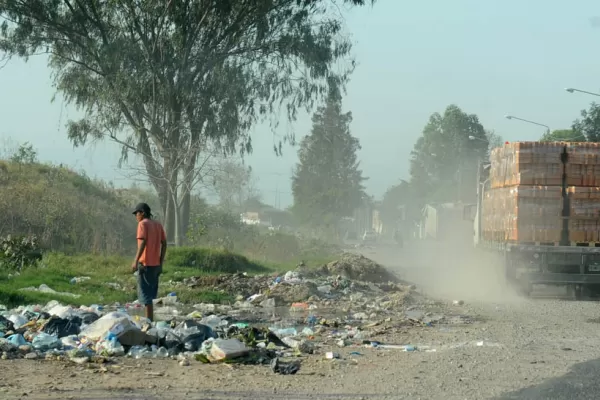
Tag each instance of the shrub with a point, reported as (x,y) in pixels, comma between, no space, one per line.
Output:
(210,260)
(19,252)
(66,211)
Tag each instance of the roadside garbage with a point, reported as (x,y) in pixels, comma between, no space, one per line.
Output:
(346,306)
(60,327)
(17,340)
(6,325)
(283,368)
(227,349)
(79,279)
(17,320)
(44,342)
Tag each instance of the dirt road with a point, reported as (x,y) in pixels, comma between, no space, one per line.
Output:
(516,349)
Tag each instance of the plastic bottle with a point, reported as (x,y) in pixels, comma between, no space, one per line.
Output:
(137,351)
(283,332)
(162,352)
(171,298)
(212,320)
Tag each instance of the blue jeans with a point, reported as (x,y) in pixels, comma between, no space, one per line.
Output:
(148,283)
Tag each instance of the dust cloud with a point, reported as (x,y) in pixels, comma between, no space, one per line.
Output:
(449,270)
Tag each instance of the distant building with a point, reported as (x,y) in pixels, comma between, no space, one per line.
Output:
(250,218)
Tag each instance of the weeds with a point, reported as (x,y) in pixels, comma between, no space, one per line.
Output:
(112,281)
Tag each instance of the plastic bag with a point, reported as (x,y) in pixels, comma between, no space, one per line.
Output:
(172,342)
(191,334)
(60,327)
(6,325)
(194,341)
(17,340)
(62,311)
(89,318)
(114,322)
(110,348)
(44,342)
(18,320)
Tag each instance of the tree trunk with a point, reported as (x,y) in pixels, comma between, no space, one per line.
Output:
(185,214)
(169,221)
(177,222)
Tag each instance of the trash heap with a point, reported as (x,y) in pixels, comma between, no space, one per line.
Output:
(272,319)
(351,277)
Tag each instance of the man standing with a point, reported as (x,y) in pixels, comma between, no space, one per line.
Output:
(148,262)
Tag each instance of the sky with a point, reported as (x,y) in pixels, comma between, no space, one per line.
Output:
(491,58)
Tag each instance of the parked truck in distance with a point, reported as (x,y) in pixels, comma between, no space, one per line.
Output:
(538,206)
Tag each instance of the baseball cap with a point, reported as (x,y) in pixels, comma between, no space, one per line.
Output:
(143,207)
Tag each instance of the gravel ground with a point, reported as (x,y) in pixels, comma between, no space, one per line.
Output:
(541,348)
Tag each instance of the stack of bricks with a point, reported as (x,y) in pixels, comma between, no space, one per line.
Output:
(582,175)
(525,202)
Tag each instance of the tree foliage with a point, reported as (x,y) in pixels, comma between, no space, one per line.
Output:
(234,184)
(25,154)
(494,140)
(589,124)
(563,135)
(444,160)
(327,183)
(165,78)
(398,204)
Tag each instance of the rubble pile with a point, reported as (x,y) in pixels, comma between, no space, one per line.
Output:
(352,273)
(274,317)
(359,268)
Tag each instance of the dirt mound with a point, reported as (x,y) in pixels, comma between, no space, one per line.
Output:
(235,284)
(283,293)
(360,268)
(350,274)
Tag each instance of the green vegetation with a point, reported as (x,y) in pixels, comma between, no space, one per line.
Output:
(111,279)
(237,68)
(327,184)
(563,135)
(66,211)
(57,225)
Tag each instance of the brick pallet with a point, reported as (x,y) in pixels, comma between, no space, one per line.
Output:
(532,181)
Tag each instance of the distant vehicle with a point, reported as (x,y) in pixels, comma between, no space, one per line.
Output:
(369,237)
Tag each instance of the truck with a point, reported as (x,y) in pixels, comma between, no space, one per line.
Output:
(564,251)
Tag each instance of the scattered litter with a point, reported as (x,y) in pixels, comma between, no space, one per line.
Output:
(275,320)
(43,288)
(79,279)
(289,368)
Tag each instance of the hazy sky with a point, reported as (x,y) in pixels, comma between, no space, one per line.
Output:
(490,57)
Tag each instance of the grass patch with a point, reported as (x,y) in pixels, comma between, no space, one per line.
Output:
(111,279)
(206,260)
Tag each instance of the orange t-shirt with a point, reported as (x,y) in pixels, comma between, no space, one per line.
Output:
(154,234)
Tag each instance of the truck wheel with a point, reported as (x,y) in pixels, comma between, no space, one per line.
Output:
(581,292)
(577,292)
(524,289)
(510,272)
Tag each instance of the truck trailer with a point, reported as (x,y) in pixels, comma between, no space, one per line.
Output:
(538,207)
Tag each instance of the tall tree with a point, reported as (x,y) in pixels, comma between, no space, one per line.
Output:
(160,76)
(399,204)
(494,140)
(563,135)
(234,185)
(589,124)
(327,183)
(445,158)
